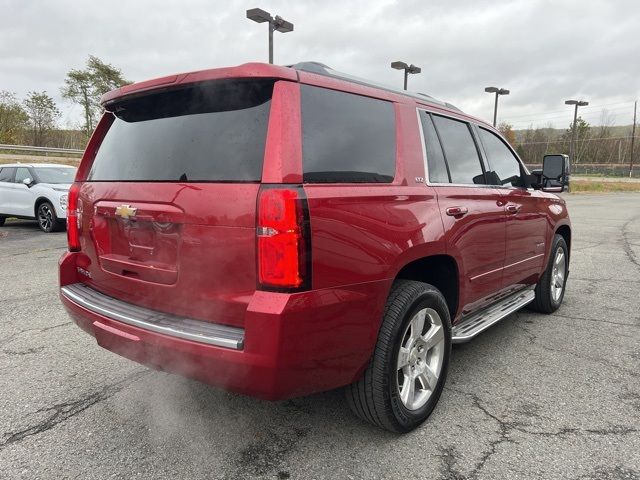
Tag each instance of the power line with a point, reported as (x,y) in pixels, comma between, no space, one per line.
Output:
(592,114)
(564,140)
(590,107)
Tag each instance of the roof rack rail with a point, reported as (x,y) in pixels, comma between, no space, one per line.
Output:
(322,69)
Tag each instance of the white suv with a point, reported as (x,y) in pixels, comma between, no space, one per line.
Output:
(35,192)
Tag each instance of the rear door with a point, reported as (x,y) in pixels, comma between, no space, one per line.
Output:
(23,198)
(472,212)
(526,225)
(168,207)
(6,189)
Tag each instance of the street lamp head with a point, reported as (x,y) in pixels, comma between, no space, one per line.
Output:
(258,15)
(413,69)
(399,65)
(580,103)
(499,91)
(281,25)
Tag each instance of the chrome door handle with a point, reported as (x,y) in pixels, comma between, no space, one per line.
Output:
(513,208)
(457,211)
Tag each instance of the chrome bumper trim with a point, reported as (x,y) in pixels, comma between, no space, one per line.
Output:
(152,320)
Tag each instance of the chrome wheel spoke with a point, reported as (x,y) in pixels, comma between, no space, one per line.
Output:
(408,391)
(433,337)
(428,378)
(417,324)
(403,357)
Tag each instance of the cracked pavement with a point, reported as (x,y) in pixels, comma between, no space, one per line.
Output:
(533,397)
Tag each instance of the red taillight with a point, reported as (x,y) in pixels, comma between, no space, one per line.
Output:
(73,218)
(283,239)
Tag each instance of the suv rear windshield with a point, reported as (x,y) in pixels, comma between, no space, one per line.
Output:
(213,131)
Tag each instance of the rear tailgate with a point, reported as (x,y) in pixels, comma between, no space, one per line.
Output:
(167,211)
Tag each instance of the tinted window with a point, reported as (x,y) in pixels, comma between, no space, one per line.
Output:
(347,138)
(435,158)
(21,174)
(6,174)
(210,132)
(55,174)
(460,151)
(505,168)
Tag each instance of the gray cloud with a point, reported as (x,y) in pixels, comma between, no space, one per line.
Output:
(543,51)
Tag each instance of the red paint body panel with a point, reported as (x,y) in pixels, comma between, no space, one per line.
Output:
(192,252)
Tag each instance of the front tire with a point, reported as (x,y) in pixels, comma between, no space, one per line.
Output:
(406,374)
(47,219)
(2,221)
(551,286)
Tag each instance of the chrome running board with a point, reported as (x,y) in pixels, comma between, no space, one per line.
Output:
(153,320)
(478,322)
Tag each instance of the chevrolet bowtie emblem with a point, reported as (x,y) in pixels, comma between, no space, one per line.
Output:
(125,211)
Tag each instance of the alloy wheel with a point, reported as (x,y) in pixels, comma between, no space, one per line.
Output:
(558,274)
(45,217)
(420,358)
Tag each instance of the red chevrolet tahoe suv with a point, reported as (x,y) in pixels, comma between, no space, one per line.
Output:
(279,231)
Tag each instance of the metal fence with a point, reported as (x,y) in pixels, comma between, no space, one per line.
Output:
(45,150)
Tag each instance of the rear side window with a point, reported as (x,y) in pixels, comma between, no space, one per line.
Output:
(209,132)
(6,174)
(436,165)
(346,137)
(460,151)
(505,168)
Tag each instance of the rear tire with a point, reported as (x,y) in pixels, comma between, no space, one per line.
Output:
(406,374)
(1,221)
(551,286)
(47,219)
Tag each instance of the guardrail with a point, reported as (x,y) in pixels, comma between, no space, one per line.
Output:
(29,148)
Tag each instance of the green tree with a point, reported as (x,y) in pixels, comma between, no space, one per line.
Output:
(583,132)
(85,87)
(13,119)
(43,114)
(507,130)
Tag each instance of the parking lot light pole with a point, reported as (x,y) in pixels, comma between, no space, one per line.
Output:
(574,130)
(498,92)
(407,70)
(275,24)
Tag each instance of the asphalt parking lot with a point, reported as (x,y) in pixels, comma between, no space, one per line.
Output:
(534,397)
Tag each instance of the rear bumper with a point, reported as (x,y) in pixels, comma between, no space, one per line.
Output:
(291,344)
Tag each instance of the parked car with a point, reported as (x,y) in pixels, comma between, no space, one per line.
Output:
(36,191)
(279,231)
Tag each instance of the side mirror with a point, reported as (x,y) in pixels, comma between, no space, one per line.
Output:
(27,181)
(555,173)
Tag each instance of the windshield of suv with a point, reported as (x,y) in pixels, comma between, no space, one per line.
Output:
(210,132)
(56,174)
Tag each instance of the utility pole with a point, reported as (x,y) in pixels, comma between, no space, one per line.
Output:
(574,130)
(498,92)
(633,137)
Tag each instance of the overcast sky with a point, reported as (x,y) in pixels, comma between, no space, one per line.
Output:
(543,51)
